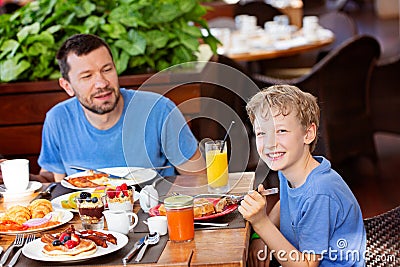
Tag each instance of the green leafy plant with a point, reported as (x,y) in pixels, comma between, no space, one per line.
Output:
(144,35)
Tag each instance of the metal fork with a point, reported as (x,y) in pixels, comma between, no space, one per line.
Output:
(14,259)
(18,242)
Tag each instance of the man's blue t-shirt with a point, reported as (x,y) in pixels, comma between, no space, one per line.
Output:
(322,216)
(151,132)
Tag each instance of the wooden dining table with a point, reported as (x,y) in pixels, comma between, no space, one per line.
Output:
(270,53)
(210,247)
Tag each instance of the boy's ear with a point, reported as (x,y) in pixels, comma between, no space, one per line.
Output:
(66,86)
(311,133)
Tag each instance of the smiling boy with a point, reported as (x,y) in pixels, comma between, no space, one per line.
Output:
(317,221)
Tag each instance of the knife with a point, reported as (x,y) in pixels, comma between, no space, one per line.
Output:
(133,251)
(112,176)
(46,194)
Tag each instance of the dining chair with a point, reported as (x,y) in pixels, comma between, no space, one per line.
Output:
(383,235)
(385,97)
(263,11)
(342,25)
(340,81)
(319,7)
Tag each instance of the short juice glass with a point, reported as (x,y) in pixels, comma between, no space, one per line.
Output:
(217,167)
(180,218)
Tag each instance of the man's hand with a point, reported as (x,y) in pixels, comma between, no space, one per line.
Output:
(43,177)
(258,254)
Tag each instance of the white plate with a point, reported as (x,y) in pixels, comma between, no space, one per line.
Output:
(56,202)
(32,187)
(66,217)
(33,250)
(137,177)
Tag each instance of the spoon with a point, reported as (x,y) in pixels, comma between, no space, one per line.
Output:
(150,239)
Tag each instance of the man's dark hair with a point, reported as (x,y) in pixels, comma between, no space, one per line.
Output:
(79,44)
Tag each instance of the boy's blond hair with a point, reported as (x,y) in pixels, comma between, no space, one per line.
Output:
(285,99)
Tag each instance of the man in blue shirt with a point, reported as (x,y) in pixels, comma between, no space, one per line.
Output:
(105,126)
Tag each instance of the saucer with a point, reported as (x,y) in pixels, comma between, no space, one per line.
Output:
(32,187)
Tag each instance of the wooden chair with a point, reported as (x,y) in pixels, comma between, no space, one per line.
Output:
(341,83)
(383,235)
(263,11)
(341,24)
(319,7)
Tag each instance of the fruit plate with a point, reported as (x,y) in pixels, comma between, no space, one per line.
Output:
(66,216)
(228,209)
(57,202)
(137,176)
(33,250)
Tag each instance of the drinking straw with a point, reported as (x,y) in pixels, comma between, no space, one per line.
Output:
(226,136)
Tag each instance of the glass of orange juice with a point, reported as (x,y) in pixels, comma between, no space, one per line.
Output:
(217,167)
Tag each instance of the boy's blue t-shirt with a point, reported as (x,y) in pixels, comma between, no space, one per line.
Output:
(151,132)
(323,217)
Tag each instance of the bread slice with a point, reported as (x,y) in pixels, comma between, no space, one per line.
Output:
(202,207)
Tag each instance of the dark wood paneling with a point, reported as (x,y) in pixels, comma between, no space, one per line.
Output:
(23,108)
(28,108)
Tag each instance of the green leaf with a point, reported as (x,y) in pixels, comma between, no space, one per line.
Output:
(114,30)
(85,9)
(137,47)
(9,47)
(157,38)
(10,69)
(45,37)
(187,5)
(121,63)
(37,49)
(27,30)
(53,29)
(191,30)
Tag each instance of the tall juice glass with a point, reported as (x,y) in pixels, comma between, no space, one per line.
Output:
(217,167)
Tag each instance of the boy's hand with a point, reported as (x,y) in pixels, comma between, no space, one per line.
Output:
(253,207)
(258,254)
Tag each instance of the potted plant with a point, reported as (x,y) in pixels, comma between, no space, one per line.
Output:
(144,35)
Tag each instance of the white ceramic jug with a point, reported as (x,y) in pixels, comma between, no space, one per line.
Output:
(120,221)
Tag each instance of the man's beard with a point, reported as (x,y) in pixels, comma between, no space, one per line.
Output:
(105,108)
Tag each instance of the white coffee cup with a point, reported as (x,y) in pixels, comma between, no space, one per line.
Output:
(120,221)
(158,224)
(15,174)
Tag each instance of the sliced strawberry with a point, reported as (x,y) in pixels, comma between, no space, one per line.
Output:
(62,236)
(71,244)
(124,186)
(126,193)
(110,193)
(75,237)
(117,191)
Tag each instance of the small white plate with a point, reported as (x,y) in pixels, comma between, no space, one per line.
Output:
(66,217)
(32,187)
(137,177)
(33,250)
